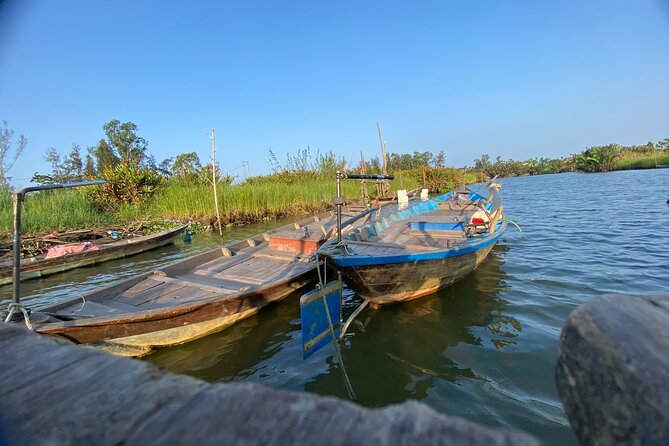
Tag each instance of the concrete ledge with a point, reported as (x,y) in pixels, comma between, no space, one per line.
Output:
(53,392)
(613,370)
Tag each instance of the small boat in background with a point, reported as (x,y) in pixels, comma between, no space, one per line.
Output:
(415,251)
(195,296)
(66,257)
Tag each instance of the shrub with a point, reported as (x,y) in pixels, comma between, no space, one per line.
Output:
(438,179)
(125,184)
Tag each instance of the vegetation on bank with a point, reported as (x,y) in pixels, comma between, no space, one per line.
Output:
(241,203)
(138,189)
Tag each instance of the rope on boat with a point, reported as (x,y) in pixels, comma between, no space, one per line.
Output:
(351,318)
(82,304)
(335,342)
(513,223)
(318,270)
(13,308)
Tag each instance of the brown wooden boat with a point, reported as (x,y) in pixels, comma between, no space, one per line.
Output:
(39,266)
(193,297)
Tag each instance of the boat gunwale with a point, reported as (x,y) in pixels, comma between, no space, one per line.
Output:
(39,266)
(346,261)
(144,315)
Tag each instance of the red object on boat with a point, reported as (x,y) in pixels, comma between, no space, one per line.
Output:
(477,221)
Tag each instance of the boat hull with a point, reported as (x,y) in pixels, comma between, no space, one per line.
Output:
(399,282)
(117,250)
(139,334)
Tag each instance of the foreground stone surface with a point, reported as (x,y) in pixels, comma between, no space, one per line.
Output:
(613,370)
(52,392)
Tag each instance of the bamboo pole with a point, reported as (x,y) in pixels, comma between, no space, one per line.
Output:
(214,182)
(363,170)
(384,155)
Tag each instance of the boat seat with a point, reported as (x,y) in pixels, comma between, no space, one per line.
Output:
(91,309)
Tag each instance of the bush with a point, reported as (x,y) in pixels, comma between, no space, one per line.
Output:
(438,179)
(598,159)
(125,184)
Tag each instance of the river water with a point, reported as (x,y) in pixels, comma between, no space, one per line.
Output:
(484,349)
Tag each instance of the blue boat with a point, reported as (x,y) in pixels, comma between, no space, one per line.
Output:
(415,251)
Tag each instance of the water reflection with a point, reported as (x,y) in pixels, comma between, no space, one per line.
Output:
(400,354)
(237,352)
(403,350)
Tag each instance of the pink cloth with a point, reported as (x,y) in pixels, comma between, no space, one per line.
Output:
(61,250)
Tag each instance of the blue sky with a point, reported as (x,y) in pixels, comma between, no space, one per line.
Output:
(517,79)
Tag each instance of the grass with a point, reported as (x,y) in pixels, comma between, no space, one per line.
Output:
(244,203)
(646,162)
(52,211)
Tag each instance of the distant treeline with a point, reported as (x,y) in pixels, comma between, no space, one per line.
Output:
(592,159)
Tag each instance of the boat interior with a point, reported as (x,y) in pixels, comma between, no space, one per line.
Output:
(447,221)
(247,265)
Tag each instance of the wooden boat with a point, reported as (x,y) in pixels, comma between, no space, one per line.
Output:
(39,266)
(418,250)
(192,297)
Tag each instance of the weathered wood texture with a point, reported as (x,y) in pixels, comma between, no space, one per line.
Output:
(52,392)
(613,370)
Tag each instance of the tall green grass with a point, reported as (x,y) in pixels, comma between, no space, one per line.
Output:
(646,162)
(253,202)
(71,209)
(52,211)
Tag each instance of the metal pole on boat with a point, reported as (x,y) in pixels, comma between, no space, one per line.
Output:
(17,201)
(339,200)
(339,207)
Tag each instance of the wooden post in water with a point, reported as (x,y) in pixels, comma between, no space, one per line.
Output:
(214,182)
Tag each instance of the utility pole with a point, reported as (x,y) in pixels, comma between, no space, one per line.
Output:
(214,182)
(247,169)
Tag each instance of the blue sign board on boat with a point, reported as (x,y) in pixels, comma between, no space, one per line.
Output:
(315,327)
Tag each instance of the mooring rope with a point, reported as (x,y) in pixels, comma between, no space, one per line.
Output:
(82,304)
(318,270)
(335,342)
(12,308)
(512,222)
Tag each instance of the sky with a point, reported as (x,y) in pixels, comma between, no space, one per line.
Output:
(518,79)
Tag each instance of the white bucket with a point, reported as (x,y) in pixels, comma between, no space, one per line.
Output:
(402,197)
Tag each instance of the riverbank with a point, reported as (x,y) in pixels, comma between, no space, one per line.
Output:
(259,199)
(239,204)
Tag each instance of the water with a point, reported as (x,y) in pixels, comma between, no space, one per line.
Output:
(484,349)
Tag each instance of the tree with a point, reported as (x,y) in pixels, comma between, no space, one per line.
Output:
(598,159)
(90,171)
(186,168)
(7,160)
(63,170)
(164,168)
(483,164)
(121,146)
(440,159)
(104,156)
(374,165)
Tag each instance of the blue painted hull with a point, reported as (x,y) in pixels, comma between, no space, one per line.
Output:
(384,280)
